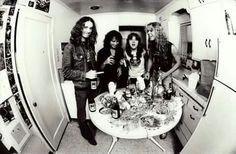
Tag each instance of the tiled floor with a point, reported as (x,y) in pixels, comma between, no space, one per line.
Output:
(73,143)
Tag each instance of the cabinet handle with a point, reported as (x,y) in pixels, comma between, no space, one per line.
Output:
(199,1)
(208,102)
(209,43)
(192,117)
(181,95)
(203,1)
(206,42)
(196,109)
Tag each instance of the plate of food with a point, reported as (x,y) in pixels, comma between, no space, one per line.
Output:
(150,121)
(105,110)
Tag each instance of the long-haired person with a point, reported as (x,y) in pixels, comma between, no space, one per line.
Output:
(79,66)
(135,55)
(163,56)
(109,60)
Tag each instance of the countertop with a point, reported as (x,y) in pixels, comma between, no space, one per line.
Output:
(183,84)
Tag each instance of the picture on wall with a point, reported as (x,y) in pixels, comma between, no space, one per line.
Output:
(1,18)
(9,2)
(63,44)
(43,5)
(6,111)
(2,61)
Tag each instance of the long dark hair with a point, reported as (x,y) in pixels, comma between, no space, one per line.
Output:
(76,33)
(139,47)
(109,36)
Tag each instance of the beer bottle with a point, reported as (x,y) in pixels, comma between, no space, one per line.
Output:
(115,109)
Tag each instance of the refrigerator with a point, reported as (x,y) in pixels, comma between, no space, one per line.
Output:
(216,131)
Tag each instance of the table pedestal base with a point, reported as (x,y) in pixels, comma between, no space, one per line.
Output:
(114,140)
(155,142)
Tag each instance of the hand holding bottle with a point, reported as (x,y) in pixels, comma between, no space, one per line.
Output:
(110,60)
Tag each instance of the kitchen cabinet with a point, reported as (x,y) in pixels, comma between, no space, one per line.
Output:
(197,3)
(192,112)
(207,26)
(164,23)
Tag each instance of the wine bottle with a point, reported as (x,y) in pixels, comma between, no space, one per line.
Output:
(115,109)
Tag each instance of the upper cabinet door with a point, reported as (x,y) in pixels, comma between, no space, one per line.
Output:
(197,3)
(207,25)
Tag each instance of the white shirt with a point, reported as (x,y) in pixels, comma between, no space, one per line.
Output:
(136,71)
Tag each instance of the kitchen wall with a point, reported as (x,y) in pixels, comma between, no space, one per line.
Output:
(172,19)
(64,19)
(111,21)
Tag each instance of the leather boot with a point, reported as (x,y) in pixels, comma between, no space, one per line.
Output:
(87,134)
(92,127)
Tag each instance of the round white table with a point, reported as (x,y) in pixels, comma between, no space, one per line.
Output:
(127,130)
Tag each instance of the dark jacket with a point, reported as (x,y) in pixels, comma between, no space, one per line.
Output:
(110,71)
(162,56)
(75,64)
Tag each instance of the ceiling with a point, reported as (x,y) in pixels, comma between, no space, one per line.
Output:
(145,6)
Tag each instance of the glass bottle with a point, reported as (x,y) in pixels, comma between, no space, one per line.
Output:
(115,113)
(158,89)
(93,84)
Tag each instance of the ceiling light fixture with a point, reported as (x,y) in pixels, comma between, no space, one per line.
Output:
(95,7)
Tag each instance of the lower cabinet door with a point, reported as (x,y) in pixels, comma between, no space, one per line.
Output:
(180,135)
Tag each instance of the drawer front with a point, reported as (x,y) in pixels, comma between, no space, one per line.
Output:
(195,107)
(180,135)
(181,94)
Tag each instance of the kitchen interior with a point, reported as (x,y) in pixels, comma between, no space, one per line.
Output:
(37,107)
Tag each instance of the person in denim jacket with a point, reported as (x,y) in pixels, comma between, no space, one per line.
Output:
(79,65)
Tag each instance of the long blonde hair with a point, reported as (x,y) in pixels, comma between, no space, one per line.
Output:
(161,38)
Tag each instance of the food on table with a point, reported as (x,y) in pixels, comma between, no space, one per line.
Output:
(104,110)
(150,121)
(107,100)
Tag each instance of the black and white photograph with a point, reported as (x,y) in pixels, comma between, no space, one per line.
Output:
(17,97)
(11,11)
(1,18)
(8,48)
(23,113)
(118,76)
(43,5)
(9,65)
(6,112)
(9,2)
(63,44)
(2,60)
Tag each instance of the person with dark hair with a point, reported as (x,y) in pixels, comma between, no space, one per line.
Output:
(79,65)
(135,55)
(163,57)
(108,60)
